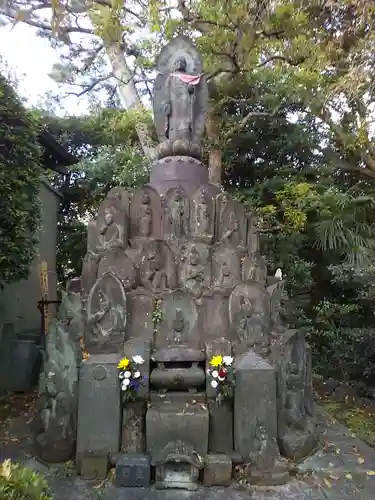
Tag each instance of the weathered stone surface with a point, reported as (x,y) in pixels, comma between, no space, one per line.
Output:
(214,317)
(119,264)
(217,470)
(249,313)
(145,214)
(94,465)
(221,427)
(106,315)
(277,306)
(133,471)
(89,272)
(178,378)
(93,242)
(179,324)
(296,423)
(254,268)
(176,423)
(195,268)
(122,195)
(99,408)
(59,384)
(133,438)
(112,225)
(140,305)
(255,420)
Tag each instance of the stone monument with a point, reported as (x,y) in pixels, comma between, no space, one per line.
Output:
(174,276)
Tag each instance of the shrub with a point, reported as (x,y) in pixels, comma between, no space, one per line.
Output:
(20,172)
(19,483)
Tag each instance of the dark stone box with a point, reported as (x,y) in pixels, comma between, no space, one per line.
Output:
(133,471)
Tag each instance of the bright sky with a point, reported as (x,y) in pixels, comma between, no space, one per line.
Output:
(31,59)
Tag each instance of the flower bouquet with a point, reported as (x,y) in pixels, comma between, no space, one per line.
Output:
(221,372)
(130,376)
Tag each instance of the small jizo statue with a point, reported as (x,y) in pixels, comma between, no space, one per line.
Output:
(110,234)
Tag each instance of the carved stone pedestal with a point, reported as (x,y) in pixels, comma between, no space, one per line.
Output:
(177,439)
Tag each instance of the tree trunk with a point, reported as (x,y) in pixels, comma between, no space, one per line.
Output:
(215,155)
(128,93)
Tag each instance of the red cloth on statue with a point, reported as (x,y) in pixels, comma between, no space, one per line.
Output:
(192,79)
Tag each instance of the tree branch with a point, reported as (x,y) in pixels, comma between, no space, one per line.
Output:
(201,25)
(245,120)
(12,15)
(288,60)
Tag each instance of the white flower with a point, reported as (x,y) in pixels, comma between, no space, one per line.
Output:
(137,375)
(214,374)
(50,374)
(124,387)
(138,360)
(125,383)
(221,379)
(214,384)
(227,360)
(279,274)
(121,375)
(127,374)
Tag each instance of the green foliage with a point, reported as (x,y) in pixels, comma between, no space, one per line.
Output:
(19,483)
(20,177)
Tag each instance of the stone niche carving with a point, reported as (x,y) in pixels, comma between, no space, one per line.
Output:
(59,382)
(203,215)
(231,222)
(140,305)
(145,214)
(177,466)
(249,313)
(119,264)
(179,325)
(157,267)
(122,195)
(278,300)
(226,269)
(112,225)
(297,433)
(176,218)
(214,316)
(195,268)
(106,315)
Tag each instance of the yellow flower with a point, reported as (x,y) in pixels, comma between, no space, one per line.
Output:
(124,363)
(216,361)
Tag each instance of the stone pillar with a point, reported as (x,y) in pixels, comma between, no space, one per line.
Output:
(178,171)
(99,408)
(255,420)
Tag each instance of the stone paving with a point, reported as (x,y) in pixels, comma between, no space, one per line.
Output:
(343,468)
